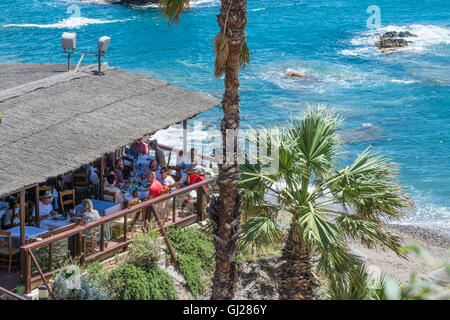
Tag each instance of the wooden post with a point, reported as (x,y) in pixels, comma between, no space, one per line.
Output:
(37,220)
(174,209)
(83,247)
(102,169)
(102,237)
(50,256)
(40,272)
(166,238)
(22,217)
(185,137)
(200,205)
(125,227)
(26,270)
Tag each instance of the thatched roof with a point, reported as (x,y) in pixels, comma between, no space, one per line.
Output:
(55,121)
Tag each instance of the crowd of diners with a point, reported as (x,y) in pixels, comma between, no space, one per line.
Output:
(159,177)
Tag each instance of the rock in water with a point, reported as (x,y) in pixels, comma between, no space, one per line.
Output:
(391,43)
(294,75)
(395,34)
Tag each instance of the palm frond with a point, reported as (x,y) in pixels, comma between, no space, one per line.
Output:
(244,57)
(172,9)
(316,141)
(315,228)
(369,233)
(369,186)
(260,231)
(222,52)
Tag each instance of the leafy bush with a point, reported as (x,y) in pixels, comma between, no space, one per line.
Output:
(193,273)
(161,285)
(133,283)
(195,254)
(143,252)
(84,288)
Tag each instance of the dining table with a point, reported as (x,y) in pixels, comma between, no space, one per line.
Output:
(30,232)
(54,222)
(104,208)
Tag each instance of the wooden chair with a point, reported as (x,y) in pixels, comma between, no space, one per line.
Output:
(178,171)
(136,216)
(131,160)
(12,254)
(95,190)
(16,215)
(63,203)
(81,184)
(111,194)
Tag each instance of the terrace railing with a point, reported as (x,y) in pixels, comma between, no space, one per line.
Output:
(78,233)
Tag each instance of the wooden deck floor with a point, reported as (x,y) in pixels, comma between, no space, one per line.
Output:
(9,281)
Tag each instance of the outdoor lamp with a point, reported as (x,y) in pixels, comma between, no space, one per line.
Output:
(69,42)
(43,292)
(102,46)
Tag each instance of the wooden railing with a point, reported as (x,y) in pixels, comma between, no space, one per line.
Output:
(78,233)
(10,295)
(204,157)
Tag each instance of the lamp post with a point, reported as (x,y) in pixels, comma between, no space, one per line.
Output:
(69,44)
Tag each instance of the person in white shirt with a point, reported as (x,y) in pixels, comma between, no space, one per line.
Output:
(167,179)
(111,187)
(45,206)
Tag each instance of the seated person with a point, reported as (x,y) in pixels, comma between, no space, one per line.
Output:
(182,161)
(196,177)
(89,213)
(110,186)
(45,207)
(159,154)
(6,222)
(119,170)
(140,146)
(135,196)
(155,187)
(153,167)
(167,179)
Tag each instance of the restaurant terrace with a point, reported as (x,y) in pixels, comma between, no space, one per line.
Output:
(56,121)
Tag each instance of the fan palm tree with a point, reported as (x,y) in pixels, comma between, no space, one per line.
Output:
(231,55)
(326,204)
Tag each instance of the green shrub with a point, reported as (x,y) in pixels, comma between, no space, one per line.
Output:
(195,254)
(193,273)
(161,285)
(143,252)
(130,283)
(133,283)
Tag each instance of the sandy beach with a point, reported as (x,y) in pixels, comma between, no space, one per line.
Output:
(435,242)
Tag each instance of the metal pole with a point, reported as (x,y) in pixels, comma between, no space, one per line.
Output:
(99,62)
(68,63)
(184,137)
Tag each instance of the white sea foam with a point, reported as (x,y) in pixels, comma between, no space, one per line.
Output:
(428,37)
(403,81)
(70,23)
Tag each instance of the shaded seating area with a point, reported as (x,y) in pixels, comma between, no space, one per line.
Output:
(51,161)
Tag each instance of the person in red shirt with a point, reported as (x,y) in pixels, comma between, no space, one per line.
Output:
(156,187)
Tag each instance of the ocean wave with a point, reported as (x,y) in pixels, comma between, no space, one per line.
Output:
(70,23)
(428,37)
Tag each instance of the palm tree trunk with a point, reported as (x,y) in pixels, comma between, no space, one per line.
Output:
(297,280)
(224,210)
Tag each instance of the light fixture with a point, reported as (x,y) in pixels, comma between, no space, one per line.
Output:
(69,44)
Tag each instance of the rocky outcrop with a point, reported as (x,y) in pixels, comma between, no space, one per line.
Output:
(259,279)
(392,40)
(294,75)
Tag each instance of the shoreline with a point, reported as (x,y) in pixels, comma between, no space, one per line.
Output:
(434,241)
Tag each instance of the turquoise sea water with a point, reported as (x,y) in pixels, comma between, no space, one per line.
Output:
(398,102)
